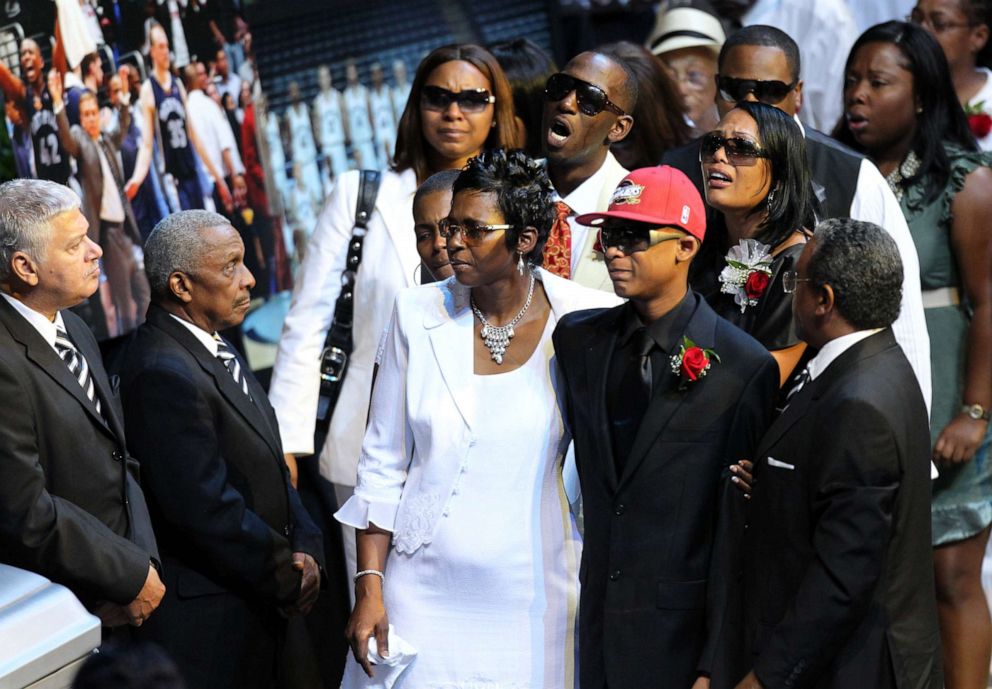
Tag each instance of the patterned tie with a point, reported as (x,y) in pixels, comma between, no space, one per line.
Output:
(800,383)
(558,249)
(76,362)
(230,361)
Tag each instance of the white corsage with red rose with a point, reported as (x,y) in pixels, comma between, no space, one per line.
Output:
(747,273)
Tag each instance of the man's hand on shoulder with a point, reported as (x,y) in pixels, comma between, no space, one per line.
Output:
(702,682)
(148,598)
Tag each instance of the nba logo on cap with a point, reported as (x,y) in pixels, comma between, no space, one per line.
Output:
(685,214)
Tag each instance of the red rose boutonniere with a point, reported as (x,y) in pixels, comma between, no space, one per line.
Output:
(692,362)
(979,121)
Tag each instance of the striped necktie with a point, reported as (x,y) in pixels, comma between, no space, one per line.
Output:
(76,362)
(800,383)
(230,361)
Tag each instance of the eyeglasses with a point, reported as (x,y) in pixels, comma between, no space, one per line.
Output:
(791,280)
(740,152)
(937,25)
(469,101)
(471,233)
(770,92)
(592,100)
(631,238)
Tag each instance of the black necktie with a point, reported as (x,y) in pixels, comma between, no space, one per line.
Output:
(78,366)
(635,394)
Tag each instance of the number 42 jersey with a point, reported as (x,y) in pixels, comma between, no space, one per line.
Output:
(50,160)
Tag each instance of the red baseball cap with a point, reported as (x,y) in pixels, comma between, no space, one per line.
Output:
(658,196)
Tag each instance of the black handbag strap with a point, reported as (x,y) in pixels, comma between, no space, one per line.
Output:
(338,342)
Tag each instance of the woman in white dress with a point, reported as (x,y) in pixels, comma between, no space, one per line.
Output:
(466,544)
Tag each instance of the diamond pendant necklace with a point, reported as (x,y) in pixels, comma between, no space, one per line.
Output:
(497,337)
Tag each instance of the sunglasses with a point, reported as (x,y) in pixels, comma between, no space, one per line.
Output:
(740,152)
(629,239)
(770,92)
(469,101)
(470,233)
(592,100)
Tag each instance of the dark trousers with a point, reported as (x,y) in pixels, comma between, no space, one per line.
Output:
(190,193)
(316,647)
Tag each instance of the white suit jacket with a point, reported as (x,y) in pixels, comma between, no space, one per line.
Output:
(423,419)
(389,261)
(593,195)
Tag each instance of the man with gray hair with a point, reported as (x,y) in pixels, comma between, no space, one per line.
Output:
(70,505)
(239,550)
(839,587)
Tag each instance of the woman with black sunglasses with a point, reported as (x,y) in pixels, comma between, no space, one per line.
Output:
(755,173)
(902,111)
(460,104)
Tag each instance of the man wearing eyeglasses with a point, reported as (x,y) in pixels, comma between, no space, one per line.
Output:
(585,111)
(762,63)
(839,587)
(661,396)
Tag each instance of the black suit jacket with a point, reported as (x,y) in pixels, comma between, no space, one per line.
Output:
(839,574)
(226,515)
(70,505)
(658,560)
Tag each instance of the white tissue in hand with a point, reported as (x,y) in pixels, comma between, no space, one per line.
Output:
(387,669)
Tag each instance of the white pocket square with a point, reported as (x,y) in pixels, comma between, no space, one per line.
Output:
(772,462)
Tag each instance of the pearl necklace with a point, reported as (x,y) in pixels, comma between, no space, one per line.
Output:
(497,337)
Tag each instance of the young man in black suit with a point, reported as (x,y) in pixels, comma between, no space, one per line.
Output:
(839,588)
(661,396)
(70,505)
(239,551)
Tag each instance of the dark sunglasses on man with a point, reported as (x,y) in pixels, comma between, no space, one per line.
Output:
(592,100)
(632,237)
(740,152)
(469,101)
(770,92)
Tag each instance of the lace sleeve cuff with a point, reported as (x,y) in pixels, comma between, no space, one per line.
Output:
(359,512)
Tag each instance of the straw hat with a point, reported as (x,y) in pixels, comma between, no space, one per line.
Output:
(686,27)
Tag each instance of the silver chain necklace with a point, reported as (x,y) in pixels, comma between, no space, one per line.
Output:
(497,337)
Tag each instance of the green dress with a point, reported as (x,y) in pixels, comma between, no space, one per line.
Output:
(962,494)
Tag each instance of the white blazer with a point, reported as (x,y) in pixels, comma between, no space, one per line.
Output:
(423,419)
(593,196)
(389,261)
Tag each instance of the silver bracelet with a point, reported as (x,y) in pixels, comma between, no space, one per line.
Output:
(366,572)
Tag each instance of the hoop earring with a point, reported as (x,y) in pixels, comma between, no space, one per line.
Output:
(418,274)
(521,266)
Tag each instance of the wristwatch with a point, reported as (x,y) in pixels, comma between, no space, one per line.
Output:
(976,412)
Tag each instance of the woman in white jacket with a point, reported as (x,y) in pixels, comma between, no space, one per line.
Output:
(465,536)
(460,103)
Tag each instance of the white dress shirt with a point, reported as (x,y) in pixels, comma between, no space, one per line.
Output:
(825,30)
(833,349)
(213,130)
(111,208)
(205,338)
(39,321)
